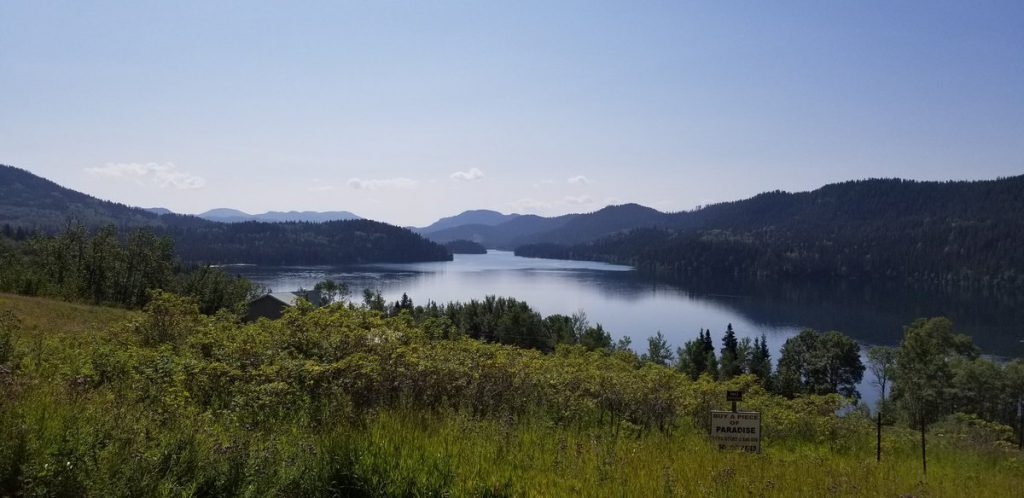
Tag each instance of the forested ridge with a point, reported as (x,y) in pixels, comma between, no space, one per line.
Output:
(303,243)
(947,234)
(30,204)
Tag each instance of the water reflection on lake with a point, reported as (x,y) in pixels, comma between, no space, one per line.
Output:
(627,303)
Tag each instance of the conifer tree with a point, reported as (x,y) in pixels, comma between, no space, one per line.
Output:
(730,364)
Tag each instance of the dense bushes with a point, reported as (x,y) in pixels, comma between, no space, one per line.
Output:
(344,401)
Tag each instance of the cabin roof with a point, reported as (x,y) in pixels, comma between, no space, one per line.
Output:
(290,298)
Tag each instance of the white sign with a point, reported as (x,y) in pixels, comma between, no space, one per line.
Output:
(736,431)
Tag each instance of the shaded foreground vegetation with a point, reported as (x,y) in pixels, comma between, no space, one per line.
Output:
(343,401)
(107,267)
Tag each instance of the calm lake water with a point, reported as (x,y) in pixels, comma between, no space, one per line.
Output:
(627,303)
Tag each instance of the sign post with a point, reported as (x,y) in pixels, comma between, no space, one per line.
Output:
(734,396)
(1020,416)
(736,430)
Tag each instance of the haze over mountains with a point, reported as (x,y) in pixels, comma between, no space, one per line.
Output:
(226,215)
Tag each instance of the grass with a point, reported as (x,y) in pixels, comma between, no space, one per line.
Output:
(89,409)
(51,316)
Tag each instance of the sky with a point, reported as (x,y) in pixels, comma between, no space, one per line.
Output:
(408,111)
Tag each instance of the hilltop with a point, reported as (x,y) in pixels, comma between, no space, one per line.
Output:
(951,234)
(30,202)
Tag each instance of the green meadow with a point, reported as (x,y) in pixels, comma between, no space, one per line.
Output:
(342,401)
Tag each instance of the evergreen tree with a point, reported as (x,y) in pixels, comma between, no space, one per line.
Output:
(731,365)
(693,357)
(760,363)
(712,364)
(709,346)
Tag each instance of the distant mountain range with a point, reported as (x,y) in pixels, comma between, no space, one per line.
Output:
(483,217)
(565,229)
(228,215)
(964,233)
(225,215)
(29,202)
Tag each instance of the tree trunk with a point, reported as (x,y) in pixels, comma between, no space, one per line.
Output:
(924,454)
(878,452)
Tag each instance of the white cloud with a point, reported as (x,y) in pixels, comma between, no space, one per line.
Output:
(384,183)
(578,180)
(469,175)
(161,175)
(582,199)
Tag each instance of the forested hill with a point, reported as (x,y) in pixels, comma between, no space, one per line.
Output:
(484,217)
(565,229)
(302,243)
(30,203)
(33,202)
(950,234)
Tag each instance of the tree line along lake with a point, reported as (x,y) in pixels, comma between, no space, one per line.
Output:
(628,303)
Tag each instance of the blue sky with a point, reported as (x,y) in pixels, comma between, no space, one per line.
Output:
(408,111)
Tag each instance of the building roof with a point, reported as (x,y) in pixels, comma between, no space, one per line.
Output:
(290,298)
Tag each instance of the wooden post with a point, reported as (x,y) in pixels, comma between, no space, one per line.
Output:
(878,452)
(924,454)
(734,396)
(1020,415)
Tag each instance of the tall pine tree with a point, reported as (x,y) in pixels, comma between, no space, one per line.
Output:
(730,365)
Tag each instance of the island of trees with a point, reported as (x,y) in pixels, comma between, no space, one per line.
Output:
(463,246)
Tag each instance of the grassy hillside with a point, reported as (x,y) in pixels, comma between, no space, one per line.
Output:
(40,316)
(343,402)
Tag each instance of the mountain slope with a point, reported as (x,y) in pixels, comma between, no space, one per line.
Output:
(950,234)
(483,217)
(601,223)
(226,215)
(35,203)
(507,235)
(566,229)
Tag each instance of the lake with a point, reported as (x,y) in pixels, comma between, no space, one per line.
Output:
(627,303)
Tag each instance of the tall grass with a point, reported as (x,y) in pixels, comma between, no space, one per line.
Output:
(345,403)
